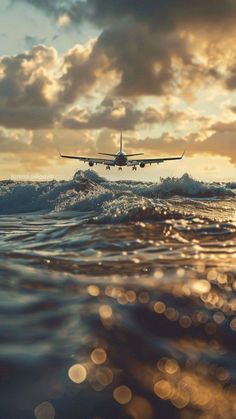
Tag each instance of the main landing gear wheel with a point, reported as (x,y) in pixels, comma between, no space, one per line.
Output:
(134,168)
(108,168)
(120,168)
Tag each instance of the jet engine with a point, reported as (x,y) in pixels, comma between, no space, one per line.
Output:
(142,165)
(91,164)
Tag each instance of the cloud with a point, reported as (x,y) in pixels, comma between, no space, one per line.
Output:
(36,86)
(63,20)
(143,62)
(82,68)
(113,114)
(231,80)
(155,46)
(36,150)
(103,12)
(27,89)
(222,142)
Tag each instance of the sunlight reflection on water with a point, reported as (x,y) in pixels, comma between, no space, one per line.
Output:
(134,320)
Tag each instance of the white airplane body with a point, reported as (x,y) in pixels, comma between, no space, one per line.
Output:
(121,159)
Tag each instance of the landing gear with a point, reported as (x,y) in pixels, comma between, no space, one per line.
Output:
(108,168)
(120,168)
(134,168)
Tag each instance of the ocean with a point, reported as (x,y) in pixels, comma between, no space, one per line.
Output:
(118,299)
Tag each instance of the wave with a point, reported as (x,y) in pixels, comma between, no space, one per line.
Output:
(120,200)
(185,186)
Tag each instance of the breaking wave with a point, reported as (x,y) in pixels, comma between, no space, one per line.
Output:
(108,201)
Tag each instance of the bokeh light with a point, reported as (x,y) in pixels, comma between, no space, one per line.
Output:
(77,373)
(45,410)
(122,394)
(99,356)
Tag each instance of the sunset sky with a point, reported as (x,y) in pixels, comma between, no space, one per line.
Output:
(73,72)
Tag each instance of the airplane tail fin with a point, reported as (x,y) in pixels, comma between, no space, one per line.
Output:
(121,140)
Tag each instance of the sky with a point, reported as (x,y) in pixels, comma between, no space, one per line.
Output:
(73,72)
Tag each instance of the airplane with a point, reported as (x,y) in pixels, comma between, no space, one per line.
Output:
(121,159)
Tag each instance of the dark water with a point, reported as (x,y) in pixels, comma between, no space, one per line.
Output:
(117,299)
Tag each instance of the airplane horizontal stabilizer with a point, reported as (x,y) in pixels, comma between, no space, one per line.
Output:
(132,155)
(108,154)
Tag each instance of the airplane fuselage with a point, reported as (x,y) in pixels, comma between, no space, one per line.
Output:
(121,159)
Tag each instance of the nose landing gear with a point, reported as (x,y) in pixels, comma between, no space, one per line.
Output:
(108,168)
(120,168)
(134,168)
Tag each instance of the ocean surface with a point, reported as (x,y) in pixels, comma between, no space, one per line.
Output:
(118,299)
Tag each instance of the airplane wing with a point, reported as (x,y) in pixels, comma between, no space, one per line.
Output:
(90,160)
(152,161)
